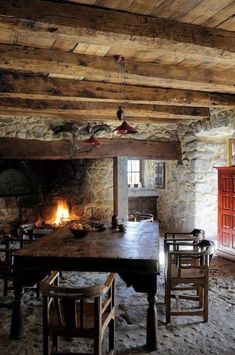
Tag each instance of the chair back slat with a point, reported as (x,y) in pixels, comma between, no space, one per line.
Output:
(147,217)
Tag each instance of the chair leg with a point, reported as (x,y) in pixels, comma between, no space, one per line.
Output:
(5,288)
(200,295)
(205,310)
(46,344)
(55,343)
(111,334)
(38,290)
(168,304)
(98,344)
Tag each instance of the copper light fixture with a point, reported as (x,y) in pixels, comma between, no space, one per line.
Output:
(124,128)
(92,141)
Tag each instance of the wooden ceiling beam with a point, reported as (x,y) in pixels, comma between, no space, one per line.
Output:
(91,25)
(106,69)
(100,110)
(102,119)
(30,86)
(15,148)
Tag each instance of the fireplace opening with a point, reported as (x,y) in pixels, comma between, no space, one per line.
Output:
(54,192)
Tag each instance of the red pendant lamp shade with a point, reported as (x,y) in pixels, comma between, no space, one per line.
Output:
(92,141)
(125,128)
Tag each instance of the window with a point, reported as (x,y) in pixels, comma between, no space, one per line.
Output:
(159,175)
(134,173)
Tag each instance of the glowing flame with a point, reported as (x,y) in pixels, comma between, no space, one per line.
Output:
(62,213)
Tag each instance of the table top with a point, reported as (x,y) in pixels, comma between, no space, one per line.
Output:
(135,250)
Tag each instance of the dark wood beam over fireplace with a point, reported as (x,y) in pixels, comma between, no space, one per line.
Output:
(15,148)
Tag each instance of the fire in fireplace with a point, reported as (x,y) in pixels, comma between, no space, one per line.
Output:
(61,215)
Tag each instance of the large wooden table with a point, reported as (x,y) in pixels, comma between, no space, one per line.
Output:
(133,254)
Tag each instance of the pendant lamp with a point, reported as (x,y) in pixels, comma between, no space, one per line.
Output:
(124,128)
(92,141)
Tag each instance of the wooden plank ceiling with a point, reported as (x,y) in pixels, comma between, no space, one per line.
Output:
(56,58)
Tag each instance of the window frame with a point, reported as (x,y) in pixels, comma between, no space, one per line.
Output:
(140,172)
(159,176)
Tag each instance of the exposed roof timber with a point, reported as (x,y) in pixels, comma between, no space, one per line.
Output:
(30,86)
(14,148)
(104,119)
(100,110)
(109,27)
(105,69)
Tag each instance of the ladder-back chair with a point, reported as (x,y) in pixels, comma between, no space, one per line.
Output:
(187,278)
(77,312)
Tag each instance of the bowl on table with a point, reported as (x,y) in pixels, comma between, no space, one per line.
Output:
(79,230)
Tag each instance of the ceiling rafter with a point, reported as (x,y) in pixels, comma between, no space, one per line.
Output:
(105,111)
(56,59)
(110,27)
(100,68)
(17,85)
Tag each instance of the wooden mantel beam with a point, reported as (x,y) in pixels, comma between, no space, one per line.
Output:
(105,69)
(113,28)
(15,148)
(100,110)
(16,85)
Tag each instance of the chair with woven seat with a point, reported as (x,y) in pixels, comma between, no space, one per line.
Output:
(187,278)
(77,312)
(147,217)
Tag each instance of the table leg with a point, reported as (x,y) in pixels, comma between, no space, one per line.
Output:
(16,319)
(148,284)
(151,333)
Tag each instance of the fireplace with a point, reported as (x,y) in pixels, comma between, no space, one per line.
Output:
(36,191)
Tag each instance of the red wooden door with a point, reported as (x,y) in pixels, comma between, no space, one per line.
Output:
(226,212)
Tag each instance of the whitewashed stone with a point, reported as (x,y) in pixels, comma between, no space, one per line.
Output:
(21,135)
(200,165)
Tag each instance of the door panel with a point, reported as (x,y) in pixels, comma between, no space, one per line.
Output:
(226,212)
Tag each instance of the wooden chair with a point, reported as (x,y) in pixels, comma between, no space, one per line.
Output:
(147,217)
(77,312)
(6,271)
(10,242)
(187,277)
(6,275)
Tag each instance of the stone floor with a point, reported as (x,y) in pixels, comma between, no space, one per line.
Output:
(182,336)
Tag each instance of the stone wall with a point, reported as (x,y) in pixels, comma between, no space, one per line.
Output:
(42,128)
(190,197)
(99,179)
